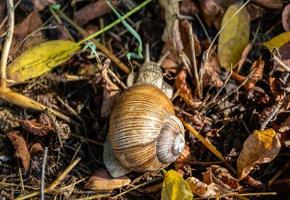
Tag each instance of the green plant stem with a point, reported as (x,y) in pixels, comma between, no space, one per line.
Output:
(108,27)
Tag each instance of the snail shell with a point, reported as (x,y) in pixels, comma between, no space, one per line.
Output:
(144,133)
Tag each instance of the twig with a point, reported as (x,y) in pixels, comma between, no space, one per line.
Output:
(42,184)
(7,43)
(239,195)
(192,45)
(272,114)
(54,184)
(206,144)
(281,63)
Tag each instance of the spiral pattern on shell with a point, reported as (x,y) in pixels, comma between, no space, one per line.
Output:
(144,130)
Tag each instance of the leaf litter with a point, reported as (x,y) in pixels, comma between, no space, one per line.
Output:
(237,117)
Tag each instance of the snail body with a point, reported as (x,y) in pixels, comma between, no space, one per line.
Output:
(144,133)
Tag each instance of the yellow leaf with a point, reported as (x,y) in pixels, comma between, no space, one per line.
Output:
(235,35)
(277,41)
(40,59)
(175,187)
(260,147)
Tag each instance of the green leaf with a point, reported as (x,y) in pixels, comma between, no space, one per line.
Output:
(235,35)
(277,41)
(175,187)
(40,59)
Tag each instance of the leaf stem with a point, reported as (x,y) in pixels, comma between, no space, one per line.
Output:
(7,43)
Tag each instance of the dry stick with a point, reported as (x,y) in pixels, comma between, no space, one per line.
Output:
(281,63)
(42,184)
(206,143)
(101,47)
(54,184)
(192,45)
(7,43)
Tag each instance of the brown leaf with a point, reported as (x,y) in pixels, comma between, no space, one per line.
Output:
(222,178)
(41,4)
(36,149)
(257,68)
(211,71)
(21,149)
(110,93)
(284,55)
(184,34)
(101,181)
(212,12)
(20,38)
(92,11)
(245,54)
(260,147)
(286,18)
(188,7)
(273,4)
(34,127)
(185,90)
(202,189)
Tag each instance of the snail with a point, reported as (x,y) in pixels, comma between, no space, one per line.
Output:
(144,133)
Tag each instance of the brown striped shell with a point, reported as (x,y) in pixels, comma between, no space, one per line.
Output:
(144,132)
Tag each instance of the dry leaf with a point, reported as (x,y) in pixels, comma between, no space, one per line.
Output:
(35,128)
(211,71)
(185,90)
(278,41)
(286,18)
(212,12)
(20,40)
(36,149)
(175,187)
(274,4)
(21,149)
(260,147)
(101,181)
(188,7)
(202,189)
(41,59)
(41,4)
(92,10)
(284,56)
(110,93)
(234,37)
(222,178)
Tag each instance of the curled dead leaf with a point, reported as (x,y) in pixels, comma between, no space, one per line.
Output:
(36,149)
(212,12)
(21,149)
(34,127)
(185,90)
(260,147)
(102,181)
(202,189)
